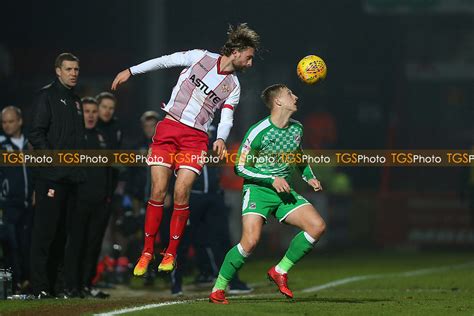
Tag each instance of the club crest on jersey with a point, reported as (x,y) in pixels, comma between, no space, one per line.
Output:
(225,88)
(247,144)
(101,141)
(297,138)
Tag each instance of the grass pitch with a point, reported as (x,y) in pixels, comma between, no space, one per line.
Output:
(323,284)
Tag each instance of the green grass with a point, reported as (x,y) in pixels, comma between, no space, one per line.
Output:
(447,292)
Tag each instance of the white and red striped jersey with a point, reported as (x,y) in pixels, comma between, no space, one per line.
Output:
(202,88)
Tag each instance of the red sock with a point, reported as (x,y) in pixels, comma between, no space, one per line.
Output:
(154,213)
(179,219)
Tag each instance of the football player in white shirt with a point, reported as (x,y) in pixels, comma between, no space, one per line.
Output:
(206,84)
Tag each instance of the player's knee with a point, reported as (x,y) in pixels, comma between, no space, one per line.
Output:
(158,194)
(249,244)
(181,195)
(317,228)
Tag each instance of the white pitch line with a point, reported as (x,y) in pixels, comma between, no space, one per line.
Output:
(386,275)
(307,290)
(143,307)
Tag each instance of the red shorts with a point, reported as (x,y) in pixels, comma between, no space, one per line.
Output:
(176,146)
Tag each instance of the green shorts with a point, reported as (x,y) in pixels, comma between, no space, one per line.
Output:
(264,201)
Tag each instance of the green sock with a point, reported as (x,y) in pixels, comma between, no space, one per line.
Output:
(284,265)
(233,261)
(299,247)
(221,283)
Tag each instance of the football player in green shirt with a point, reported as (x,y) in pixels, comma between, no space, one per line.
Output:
(264,163)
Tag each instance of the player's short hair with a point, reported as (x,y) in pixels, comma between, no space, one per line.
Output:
(89,100)
(150,115)
(14,109)
(62,57)
(269,94)
(239,38)
(105,95)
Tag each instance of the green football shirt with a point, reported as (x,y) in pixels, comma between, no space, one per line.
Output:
(268,151)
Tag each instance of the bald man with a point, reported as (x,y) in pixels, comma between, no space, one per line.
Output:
(15,200)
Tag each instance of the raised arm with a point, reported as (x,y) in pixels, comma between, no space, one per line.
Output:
(183,59)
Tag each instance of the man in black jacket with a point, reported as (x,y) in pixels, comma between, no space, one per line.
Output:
(91,216)
(108,122)
(15,201)
(109,125)
(57,125)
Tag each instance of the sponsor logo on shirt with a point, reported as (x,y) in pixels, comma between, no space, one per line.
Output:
(205,88)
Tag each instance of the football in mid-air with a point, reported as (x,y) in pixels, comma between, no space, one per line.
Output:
(311,69)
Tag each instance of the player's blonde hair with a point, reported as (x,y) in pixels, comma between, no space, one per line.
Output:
(239,38)
(270,93)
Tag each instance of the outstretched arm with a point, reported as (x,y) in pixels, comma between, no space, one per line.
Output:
(184,59)
(121,78)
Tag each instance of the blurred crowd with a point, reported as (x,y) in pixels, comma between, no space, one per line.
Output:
(74,231)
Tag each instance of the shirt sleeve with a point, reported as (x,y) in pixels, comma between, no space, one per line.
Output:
(41,122)
(227,114)
(307,173)
(244,165)
(180,59)
(305,169)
